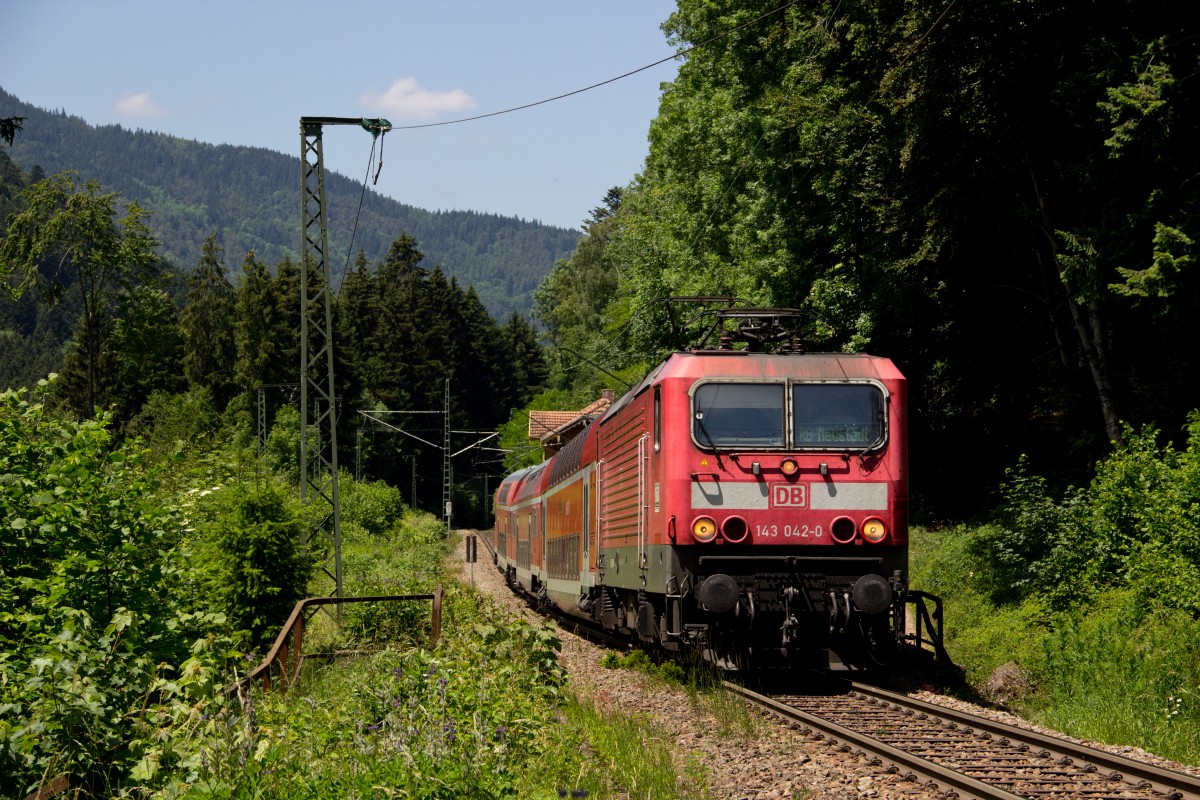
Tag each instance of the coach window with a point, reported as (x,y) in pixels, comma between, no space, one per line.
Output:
(838,415)
(738,415)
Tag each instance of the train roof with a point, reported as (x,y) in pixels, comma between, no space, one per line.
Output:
(745,364)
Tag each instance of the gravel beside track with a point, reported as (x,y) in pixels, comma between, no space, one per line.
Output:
(777,762)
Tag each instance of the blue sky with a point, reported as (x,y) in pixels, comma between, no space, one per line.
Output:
(245,72)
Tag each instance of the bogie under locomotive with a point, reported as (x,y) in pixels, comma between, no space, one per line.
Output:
(752,505)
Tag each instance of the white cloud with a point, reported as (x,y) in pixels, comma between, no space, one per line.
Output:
(138,105)
(407,99)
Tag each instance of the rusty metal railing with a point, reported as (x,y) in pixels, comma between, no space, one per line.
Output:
(287,659)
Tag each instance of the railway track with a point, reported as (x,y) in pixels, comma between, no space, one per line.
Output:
(966,756)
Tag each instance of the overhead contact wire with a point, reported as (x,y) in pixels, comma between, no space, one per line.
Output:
(671,57)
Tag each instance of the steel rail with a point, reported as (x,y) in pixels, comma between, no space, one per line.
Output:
(1164,781)
(947,779)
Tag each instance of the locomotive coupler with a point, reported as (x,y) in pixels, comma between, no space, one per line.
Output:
(790,628)
(791,625)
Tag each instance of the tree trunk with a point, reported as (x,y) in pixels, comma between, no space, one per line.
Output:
(1090,329)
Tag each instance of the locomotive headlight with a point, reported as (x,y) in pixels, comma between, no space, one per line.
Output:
(789,467)
(704,529)
(874,530)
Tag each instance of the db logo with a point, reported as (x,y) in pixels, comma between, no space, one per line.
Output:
(786,495)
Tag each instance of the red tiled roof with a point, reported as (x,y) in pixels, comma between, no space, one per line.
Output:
(544,422)
(597,408)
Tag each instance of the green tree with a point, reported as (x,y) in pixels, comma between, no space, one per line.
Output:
(527,372)
(262,567)
(266,330)
(208,324)
(572,299)
(920,179)
(68,238)
(147,350)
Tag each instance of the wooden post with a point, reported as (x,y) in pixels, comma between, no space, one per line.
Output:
(437,615)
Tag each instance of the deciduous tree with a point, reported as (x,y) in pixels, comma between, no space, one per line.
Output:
(68,238)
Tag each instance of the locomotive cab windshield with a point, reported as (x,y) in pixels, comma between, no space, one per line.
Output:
(838,415)
(824,416)
(739,415)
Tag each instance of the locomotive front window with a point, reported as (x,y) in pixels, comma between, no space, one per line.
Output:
(837,416)
(738,415)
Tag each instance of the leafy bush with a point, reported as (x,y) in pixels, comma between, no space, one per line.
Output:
(283,445)
(1135,526)
(89,572)
(370,506)
(168,422)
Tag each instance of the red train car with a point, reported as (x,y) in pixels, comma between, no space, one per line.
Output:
(751,504)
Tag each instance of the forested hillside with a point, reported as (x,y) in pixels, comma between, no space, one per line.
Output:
(1000,197)
(130,335)
(250,196)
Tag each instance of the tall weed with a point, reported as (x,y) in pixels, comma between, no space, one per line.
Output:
(1120,675)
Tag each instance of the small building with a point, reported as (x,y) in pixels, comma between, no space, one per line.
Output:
(553,429)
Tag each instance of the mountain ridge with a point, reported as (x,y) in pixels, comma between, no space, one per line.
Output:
(249,195)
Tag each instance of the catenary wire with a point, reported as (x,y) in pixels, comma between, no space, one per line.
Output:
(574,92)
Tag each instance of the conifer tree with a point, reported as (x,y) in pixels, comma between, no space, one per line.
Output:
(479,365)
(399,344)
(265,329)
(147,349)
(208,326)
(354,323)
(526,370)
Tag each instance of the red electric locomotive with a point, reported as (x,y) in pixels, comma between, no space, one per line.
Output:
(752,504)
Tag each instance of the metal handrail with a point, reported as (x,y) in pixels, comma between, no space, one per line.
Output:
(929,624)
(290,659)
(281,653)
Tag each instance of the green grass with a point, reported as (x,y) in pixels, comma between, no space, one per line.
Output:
(614,755)
(484,715)
(1114,669)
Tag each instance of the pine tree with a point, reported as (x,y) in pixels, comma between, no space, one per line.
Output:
(210,350)
(264,331)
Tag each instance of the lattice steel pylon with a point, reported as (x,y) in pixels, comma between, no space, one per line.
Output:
(318,398)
